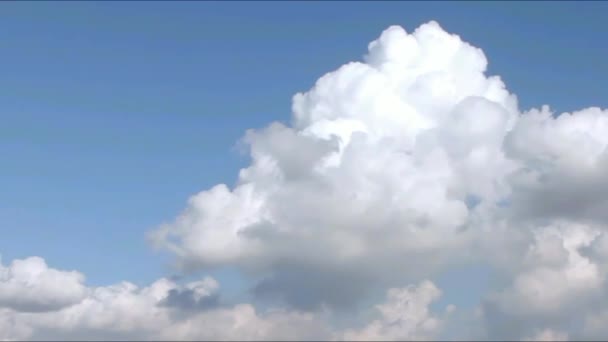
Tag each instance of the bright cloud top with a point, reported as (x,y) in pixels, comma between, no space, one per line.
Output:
(391,171)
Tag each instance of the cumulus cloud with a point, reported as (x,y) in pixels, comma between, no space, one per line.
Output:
(29,285)
(400,166)
(555,259)
(372,175)
(124,311)
(554,284)
(564,165)
(166,310)
(404,316)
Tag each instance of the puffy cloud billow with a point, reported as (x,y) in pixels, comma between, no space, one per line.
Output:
(165,310)
(30,285)
(391,171)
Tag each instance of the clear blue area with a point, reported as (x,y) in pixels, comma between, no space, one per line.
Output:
(113,113)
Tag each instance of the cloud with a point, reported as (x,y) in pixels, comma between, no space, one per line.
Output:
(564,162)
(555,259)
(549,335)
(557,284)
(403,165)
(199,295)
(29,285)
(163,310)
(373,173)
(595,325)
(404,316)
(166,310)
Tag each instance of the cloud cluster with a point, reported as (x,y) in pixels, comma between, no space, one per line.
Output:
(555,284)
(391,171)
(165,310)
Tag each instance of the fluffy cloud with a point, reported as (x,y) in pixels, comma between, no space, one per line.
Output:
(555,259)
(564,162)
(373,175)
(125,311)
(554,284)
(405,316)
(166,310)
(29,285)
(403,165)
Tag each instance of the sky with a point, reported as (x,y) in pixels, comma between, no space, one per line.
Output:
(114,114)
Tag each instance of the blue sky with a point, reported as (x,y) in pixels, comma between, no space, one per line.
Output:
(114,113)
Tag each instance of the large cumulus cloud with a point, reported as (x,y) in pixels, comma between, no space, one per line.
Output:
(400,166)
(370,182)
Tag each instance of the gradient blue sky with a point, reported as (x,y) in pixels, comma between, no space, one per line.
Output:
(113,114)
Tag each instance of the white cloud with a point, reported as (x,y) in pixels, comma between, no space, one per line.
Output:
(564,163)
(405,316)
(29,285)
(400,166)
(556,284)
(554,259)
(374,170)
(125,311)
